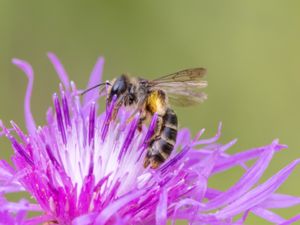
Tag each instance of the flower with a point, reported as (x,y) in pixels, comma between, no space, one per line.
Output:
(83,168)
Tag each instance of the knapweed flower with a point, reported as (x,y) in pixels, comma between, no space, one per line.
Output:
(83,168)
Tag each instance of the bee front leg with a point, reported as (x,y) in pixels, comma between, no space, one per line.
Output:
(114,113)
(116,109)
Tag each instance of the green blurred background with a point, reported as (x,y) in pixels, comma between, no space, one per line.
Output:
(250,48)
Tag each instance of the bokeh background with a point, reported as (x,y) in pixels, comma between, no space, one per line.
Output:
(250,48)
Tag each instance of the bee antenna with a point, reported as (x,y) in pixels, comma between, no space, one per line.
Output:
(92,88)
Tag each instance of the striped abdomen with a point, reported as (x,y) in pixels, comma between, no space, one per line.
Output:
(162,146)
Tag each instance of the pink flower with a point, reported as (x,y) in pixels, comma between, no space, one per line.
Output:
(82,169)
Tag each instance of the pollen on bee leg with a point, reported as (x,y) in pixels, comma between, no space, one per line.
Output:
(154,164)
(146,162)
(114,113)
(129,120)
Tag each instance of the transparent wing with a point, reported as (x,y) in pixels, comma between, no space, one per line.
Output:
(185,99)
(183,88)
(187,75)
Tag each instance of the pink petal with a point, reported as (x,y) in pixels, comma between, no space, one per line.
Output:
(238,158)
(22,205)
(259,194)
(245,183)
(211,140)
(161,210)
(27,69)
(95,79)
(267,215)
(280,201)
(110,210)
(185,203)
(86,219)
(60,70)
(39,220)
(292,220)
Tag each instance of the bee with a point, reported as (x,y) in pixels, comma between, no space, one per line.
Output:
(149,97)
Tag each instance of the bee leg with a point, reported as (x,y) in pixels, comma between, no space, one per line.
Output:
(146,161)
(116,109)
(150,160)
(130,119)
(154,160)
(154,164)
(147,158)
(114,113)
(142,118)
(132,115)
(157,129)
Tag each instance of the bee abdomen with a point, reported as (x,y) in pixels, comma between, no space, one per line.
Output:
(170,119)
(169,134)
(162,147)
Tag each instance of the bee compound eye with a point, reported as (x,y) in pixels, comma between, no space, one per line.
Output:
(119,87)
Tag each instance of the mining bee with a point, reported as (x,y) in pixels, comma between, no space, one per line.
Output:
(148,97)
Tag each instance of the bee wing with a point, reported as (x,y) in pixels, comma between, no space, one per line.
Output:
(183,88)
(192,75)
(185,99)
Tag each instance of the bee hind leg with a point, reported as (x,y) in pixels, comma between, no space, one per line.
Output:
(154,164)
(156,160)
(157,130)
(141,121)
(150,160)
(146,161)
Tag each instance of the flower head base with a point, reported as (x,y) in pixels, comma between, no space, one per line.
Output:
(84,168)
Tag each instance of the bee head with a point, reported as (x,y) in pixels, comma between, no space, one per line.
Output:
(118,88)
